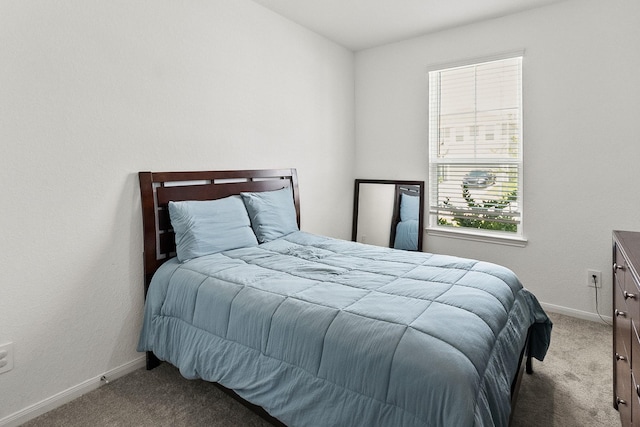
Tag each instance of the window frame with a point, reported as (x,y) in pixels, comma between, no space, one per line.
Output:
(516,238)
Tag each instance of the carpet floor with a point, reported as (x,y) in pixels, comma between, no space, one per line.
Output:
(572,387)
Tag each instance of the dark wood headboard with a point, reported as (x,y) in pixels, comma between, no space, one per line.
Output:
(157,189)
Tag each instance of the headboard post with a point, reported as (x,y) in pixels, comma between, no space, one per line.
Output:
(148,225)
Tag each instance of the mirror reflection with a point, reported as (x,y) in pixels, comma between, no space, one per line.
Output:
(388,213)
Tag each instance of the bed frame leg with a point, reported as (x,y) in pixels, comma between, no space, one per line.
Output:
(152,361)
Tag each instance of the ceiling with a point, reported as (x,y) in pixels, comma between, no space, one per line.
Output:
(360,24)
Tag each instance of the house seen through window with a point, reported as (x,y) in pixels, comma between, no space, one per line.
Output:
(475,148)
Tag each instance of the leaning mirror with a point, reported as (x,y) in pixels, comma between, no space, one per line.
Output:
(388,213)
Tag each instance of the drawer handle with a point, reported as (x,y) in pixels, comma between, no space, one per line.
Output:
(620,401)
(628,295)
(617,266)
(619,357)
(620,313)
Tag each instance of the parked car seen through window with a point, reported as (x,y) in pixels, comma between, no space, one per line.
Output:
(479,178)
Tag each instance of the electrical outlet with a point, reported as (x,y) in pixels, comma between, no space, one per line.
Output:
(6,357)
(594,278)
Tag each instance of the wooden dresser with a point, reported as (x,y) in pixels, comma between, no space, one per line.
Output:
(626,325)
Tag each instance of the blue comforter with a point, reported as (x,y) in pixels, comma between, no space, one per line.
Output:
(325,332)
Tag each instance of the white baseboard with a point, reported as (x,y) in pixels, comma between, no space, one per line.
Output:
(69,394)
(586,315)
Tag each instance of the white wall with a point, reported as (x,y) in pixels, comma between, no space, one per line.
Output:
(581,146)
(93,91)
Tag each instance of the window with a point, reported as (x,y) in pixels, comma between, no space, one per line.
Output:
(475,181)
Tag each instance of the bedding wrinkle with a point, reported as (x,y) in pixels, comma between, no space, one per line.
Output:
(164,299)
(266,343)
(324,338)
(393,358)
(226,334)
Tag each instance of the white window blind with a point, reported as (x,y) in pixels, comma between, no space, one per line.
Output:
(475,147)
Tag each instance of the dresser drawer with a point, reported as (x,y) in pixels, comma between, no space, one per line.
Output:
(622,391)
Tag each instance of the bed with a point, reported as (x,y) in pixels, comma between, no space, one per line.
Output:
(321,331)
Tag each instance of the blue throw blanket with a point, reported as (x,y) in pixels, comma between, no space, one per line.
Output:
(325,332)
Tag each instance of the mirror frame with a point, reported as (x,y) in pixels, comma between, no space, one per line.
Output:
(356,196)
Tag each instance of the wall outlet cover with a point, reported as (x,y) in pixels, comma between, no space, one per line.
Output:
(594,278)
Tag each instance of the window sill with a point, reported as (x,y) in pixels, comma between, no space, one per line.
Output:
(499,239)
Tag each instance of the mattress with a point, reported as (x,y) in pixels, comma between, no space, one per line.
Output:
(326,332)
